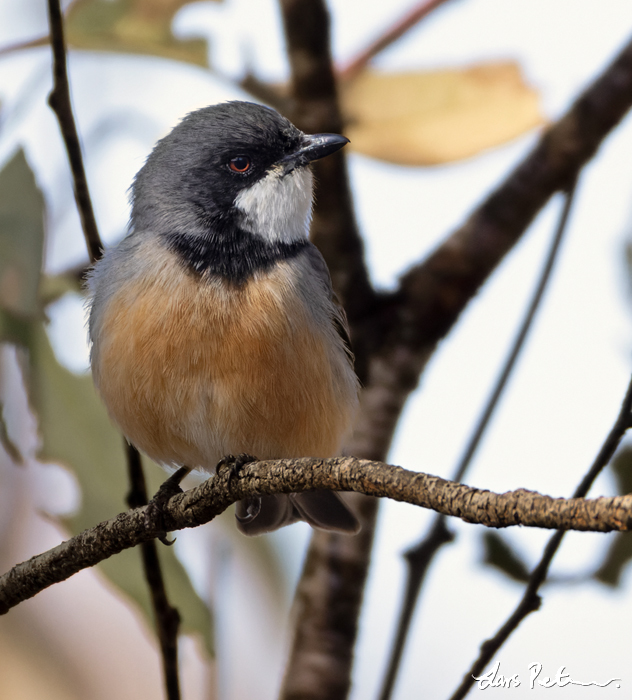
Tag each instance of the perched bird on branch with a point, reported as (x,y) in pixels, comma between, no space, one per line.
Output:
(213,324)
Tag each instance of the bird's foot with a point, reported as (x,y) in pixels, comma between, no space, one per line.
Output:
(247,509)
(155,507)
(235,464)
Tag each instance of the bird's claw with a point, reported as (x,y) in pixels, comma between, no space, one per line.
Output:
(155,510)
(235,464)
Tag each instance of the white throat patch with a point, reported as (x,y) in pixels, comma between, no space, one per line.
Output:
(278,208)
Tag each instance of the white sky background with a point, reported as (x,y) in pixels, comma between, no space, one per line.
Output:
(573,372)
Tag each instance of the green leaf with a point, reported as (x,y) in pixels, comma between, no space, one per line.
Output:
(620,549)
(500,555)
(132,26)
(77,432)
(21,247)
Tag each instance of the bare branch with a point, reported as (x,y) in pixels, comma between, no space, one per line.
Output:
(23,45)
(167,617)
(390,36)
(59,100)
(519,341)
(394,335)
(530,600)
(330,591)
(274,95)
(203,503)
(418,559)
(435,292)
(316,109)
(420,556)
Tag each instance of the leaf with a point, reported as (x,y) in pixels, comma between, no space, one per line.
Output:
(21,242)
(21,253)
(620,549)
(132,26)
(426,118)
(77,432)
(500,555)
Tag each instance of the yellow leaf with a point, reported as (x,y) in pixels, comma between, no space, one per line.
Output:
(132,26)
(418,118)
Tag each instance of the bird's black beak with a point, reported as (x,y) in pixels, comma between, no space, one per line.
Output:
(313,147)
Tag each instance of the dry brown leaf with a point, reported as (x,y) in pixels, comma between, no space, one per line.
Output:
(132,26)
(418,118)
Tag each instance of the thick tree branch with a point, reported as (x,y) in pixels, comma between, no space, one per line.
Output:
(329,595)
(316,110)
(435,292)
(203,503)
(394,335)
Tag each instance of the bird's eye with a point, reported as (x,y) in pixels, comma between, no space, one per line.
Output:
(240,164)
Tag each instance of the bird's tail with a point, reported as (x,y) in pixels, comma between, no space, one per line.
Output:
(324,510)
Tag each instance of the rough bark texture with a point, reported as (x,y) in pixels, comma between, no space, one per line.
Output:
(315,109)
(394,335)
(329,595)
(435,292)
(205,502)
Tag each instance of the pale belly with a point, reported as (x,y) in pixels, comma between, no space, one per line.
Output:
(191,372)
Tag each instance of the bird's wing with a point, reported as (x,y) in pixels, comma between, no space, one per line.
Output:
(339,317)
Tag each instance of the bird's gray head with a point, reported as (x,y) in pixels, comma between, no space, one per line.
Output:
(228,170)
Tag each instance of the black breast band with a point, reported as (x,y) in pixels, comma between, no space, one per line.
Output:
(235,257)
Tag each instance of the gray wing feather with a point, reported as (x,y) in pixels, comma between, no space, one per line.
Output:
(339,317)
(324,510)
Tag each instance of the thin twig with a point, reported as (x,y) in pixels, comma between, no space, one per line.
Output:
(531,600)
(390,36)
(419,557)
(59,100)
(166,617)
(23,45)
(518,344)
(274,95)
(418,560)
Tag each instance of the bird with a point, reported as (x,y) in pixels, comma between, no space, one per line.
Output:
(213,326)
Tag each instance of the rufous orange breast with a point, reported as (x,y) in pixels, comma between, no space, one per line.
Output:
(198,368)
